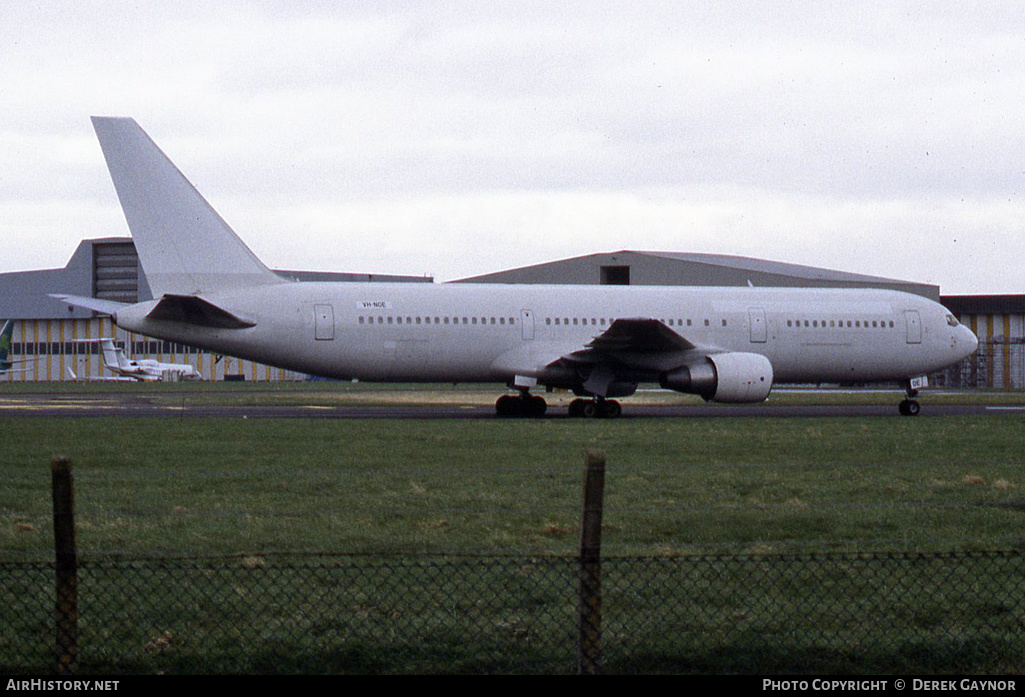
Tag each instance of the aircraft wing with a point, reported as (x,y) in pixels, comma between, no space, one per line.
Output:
(639,336)
(634,344)
(626,350)
(629,351)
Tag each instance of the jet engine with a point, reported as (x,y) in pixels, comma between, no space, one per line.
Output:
(724,377)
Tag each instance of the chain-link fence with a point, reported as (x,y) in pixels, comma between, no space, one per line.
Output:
(835,613)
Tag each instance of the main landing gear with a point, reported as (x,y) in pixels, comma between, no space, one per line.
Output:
(597,408)
(524,404)
(528,405)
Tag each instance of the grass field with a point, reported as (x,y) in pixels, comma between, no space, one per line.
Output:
(200,486)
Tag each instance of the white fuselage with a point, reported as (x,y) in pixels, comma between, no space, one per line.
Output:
(484,332)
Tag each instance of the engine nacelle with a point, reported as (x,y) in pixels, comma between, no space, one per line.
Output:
(724,377)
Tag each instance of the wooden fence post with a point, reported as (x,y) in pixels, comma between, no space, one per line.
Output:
(590,611)
(67,565)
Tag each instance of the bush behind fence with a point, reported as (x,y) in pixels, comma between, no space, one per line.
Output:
(822,613)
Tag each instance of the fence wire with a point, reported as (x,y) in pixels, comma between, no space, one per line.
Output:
(830,613)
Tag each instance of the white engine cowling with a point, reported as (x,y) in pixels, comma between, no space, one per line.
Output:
(724,377)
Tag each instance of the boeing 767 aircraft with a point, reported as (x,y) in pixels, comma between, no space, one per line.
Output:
(725,344)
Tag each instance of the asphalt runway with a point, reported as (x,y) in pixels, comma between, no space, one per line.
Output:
(133,405)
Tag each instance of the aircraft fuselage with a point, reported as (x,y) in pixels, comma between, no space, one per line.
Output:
(490,333)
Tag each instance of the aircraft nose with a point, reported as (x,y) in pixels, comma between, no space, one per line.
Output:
(971,342)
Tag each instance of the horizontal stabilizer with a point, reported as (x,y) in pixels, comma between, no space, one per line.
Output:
(191,309)
(104,307)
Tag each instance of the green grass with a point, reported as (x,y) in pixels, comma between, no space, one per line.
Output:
(203,486)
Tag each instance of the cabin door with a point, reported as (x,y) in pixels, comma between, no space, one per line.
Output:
(914,323)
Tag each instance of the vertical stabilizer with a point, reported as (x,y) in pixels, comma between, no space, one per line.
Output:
(114,359)
(184,246)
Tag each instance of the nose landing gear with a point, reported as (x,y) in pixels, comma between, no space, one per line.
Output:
(910,406)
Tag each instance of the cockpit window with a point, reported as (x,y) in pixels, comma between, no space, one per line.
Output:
(952,321)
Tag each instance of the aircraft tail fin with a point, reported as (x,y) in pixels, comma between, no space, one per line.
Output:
(112,357)
(184,246)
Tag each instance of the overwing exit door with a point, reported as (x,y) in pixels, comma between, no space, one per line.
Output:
(324,318)
(759,332)
(527,324)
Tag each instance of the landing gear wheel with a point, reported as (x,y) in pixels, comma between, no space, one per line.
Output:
(595,409)
(507,405)
(611,409)
(909,407)
(524,405)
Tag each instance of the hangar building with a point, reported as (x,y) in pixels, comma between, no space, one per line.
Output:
(684,269)
(59,341)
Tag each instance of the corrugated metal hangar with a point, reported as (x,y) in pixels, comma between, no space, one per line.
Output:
(682,269)
(60,341)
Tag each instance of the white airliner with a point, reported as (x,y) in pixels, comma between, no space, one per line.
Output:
(725,344)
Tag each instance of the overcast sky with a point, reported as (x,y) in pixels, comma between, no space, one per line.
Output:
(458,138)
